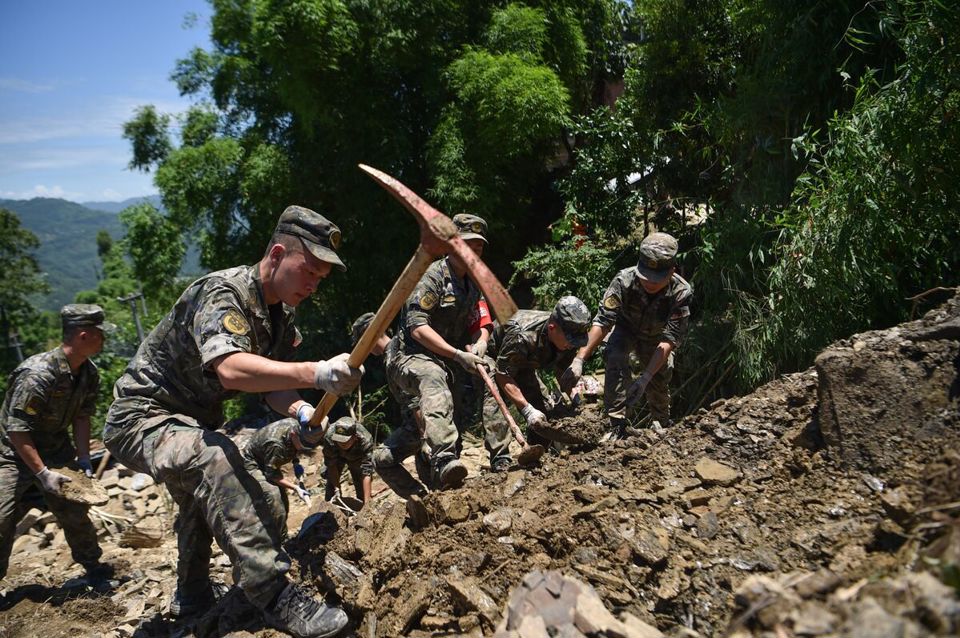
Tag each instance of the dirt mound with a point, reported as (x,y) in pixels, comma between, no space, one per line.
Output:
(823,504)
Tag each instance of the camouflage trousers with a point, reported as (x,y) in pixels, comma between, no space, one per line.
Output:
(533,391)
(618,377)
(403,442)
(276,496)
(443,406)
(80,533)
(218,498)
(356,476)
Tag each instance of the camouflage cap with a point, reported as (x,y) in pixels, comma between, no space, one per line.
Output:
(574,319)
(320,236)
(84,315)
(658,254)
(344,429)
(471,227)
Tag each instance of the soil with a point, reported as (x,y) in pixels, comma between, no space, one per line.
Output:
(823,504)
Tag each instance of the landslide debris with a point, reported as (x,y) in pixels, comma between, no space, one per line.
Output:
(823,504)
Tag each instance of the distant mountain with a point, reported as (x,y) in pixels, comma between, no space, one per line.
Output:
(116,207)
(68,243)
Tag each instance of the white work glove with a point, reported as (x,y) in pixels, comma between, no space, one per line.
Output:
(303,494)
(571,375)
(479,348)
(336,376)
(85,465)
(310,435)
(51,481)
(637,388)
(469,361)
(533,416)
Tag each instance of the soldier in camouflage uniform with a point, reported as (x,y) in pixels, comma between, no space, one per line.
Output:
(437,327)
(648,309)
(530,341)
(266,452)
(47,395)
(231,331)
(347,443)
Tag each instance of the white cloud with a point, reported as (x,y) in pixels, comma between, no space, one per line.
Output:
(110,195)
(43,191)
(58,158)
(24,86)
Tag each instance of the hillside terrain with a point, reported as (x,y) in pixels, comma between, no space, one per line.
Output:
(823,504)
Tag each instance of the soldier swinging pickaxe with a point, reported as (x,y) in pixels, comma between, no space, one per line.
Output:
(438,236)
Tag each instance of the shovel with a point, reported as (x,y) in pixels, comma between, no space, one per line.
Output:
(530,454)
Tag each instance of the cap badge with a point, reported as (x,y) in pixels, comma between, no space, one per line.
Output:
(476,227)
(652,263)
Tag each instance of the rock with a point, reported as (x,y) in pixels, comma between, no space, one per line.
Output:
(697,497)
(451,507)
(820,582)
(31,518)
(714,473)
(897,504)
(636,628)
(499,521)
(468,596)
(651,547)
(708,526)
(139,481)
(813,619)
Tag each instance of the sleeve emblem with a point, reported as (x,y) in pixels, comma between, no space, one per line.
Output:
(611,303)
(34,405)
(236,323)
(428,300)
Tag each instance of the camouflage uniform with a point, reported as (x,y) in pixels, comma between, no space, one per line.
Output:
(522,347)
(266,451)
(640,323)
(168,405)
(447,305)
(43,399)
(403,442)
(358,457)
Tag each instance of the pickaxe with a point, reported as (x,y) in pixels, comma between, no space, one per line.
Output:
(530,454)
(438,236)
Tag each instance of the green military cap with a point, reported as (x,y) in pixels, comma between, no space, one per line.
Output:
(344,429)
(319,234)
(470,227)
(658,254)
(572,316)
(84,315)
(360,326)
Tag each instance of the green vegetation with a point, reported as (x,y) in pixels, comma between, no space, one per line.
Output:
(805,154)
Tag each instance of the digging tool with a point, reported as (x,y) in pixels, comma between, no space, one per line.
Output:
(438,236)
(530,454)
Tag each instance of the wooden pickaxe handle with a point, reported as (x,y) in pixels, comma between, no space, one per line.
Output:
(378,325)
(514,428)
(438,236)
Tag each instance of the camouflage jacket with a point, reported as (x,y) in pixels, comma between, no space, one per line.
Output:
(522,344)
(444,303)
(664,316)
(270,448)
(43,399)
(221,313)
(360,454)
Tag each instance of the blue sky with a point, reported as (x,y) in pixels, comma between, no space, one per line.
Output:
(71,73)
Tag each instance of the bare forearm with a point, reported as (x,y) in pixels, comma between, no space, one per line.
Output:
(432,341)
(367,488)
(248,372)
(512,390)
(25,448)
(287,483)
(658,358)
(594,337)
(285,402)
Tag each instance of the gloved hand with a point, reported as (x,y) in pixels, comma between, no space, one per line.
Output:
(469,361)
(637,388)
(335,376)
(479,348)
(305,413)
(533,416)
(51,481)
(304,495)
(571,375)
(85,465)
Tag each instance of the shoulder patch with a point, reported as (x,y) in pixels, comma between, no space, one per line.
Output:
(236,322)
(34,405)
(428,300)
(611,303)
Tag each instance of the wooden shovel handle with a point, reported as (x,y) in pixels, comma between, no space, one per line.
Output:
(503,406)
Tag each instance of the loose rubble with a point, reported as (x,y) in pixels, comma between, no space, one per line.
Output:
(823,504)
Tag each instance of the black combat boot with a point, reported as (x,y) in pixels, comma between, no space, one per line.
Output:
(450,473)
(189,603)
(302,616)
